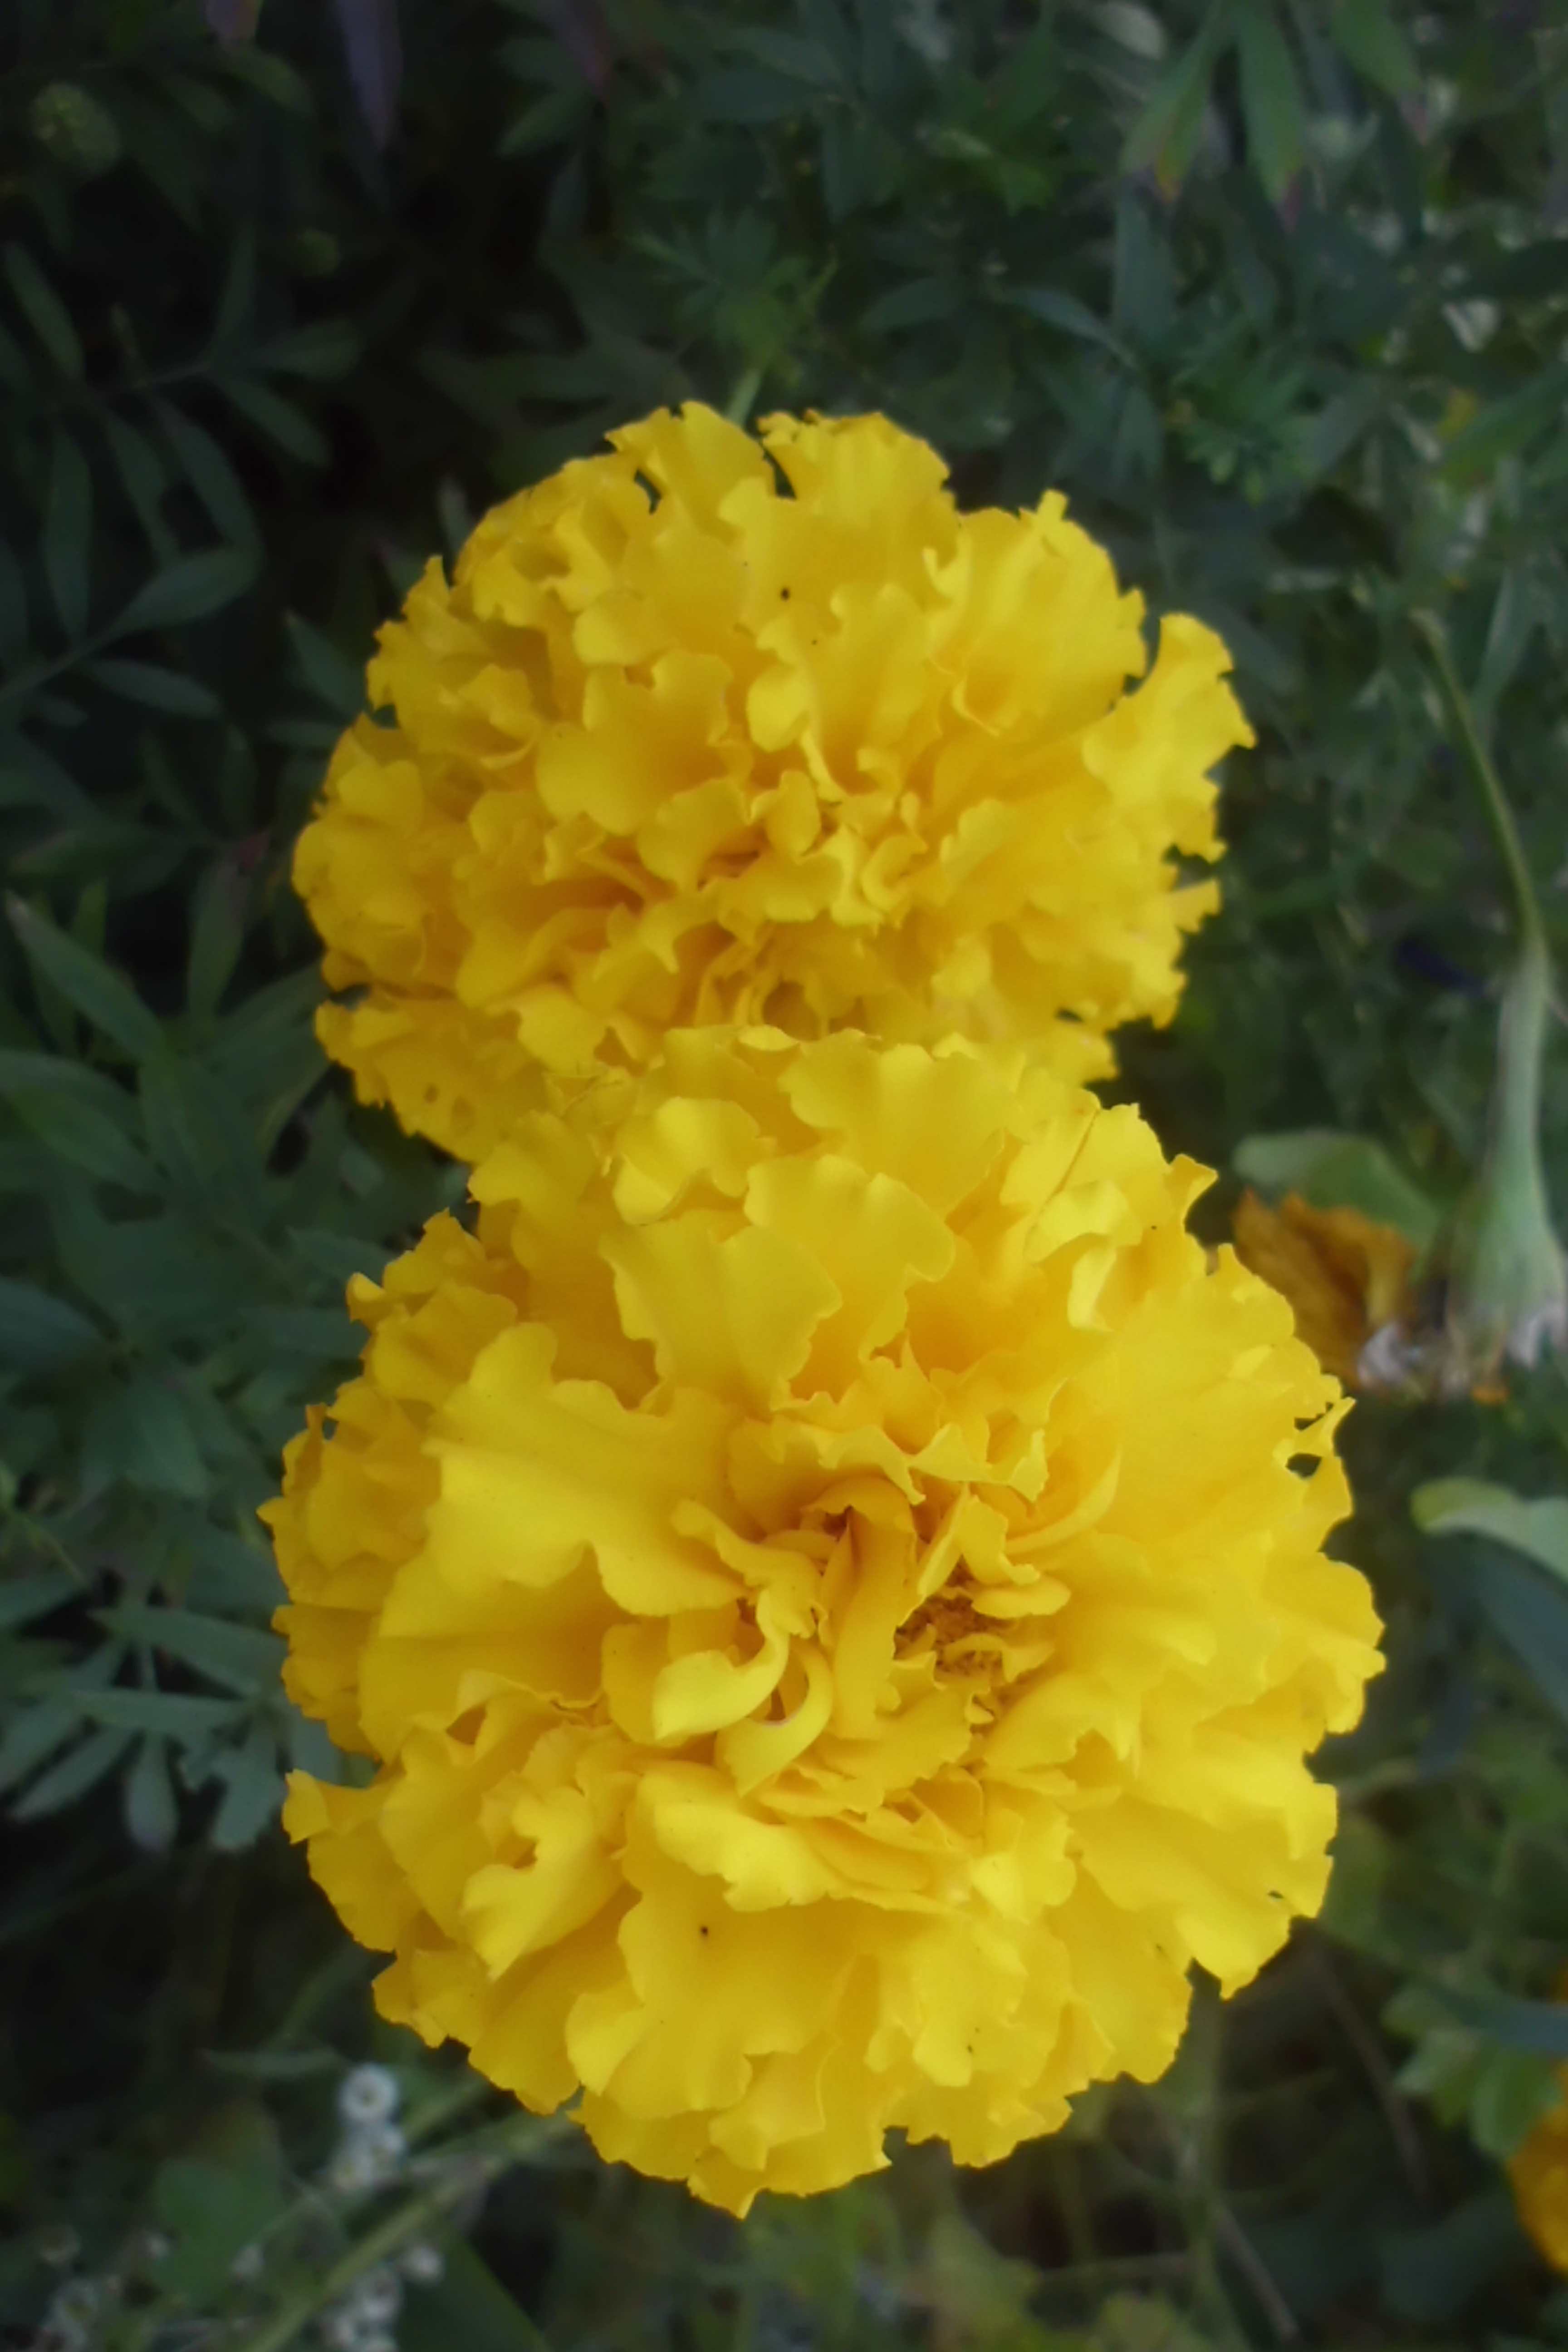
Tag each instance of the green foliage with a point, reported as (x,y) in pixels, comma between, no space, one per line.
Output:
(1278,294)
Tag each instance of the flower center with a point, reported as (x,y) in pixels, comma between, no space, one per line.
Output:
(948,1617)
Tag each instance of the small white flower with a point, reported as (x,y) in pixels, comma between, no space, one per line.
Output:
(246,2264)
(367,2094)
(154,2246)
(378,2297)
(74,2303)
(58,2246)
(384,2147)
(352,2170)
(422,2264)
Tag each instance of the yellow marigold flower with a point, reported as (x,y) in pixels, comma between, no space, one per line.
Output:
(832,1578)
(709,730)
(1538,2171)
(1344,1276)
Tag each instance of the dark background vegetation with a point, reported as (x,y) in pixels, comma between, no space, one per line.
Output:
(1278,291)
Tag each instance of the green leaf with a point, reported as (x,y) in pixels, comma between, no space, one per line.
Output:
(325,350)
(1143,296)
(210,2211)
(33,1734)
(1165,136)
(271,76)
(211,476)
(217,935)
(1506,426)
(1365,33)
(1513,2090)
(166,1714)
(152,1814)
(145,482)
(45,313)
(1271,102)
(1073,316)
(468,2305)
(1333,1170)
(313,1332)
(40,1333)
(1530,1613)
(786,53)
(278,418)
(1538,2026)
(241,1656)
(142,1434)
(551,118)
(331,678)
(68,533)
(97,994)
(744,94)
(237,300)
(1353,1910)
(1430,2274)
(78,1131)
(25,1074)
(156,688)
(252,1792)
(231,1573)
(1446,1506)
(30,778)
(22,1598)
(199,1134)
(188,589)
(79,1770)
(918,304)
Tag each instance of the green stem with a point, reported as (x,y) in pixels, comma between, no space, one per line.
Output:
(42,674)
(1072,2204)
(742,401)
(1488,783)
(455,2099)
(473,2168)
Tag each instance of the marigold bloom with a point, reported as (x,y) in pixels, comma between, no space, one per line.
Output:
(1344,1276)
(1538,2171)
(708,730)
(832,1578)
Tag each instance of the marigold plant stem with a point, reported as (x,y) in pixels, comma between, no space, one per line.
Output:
(474,2166)
(1484,776)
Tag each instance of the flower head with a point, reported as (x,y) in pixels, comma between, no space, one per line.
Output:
(704,730)
(1347,1277)
(832,1577)
(1538,2172)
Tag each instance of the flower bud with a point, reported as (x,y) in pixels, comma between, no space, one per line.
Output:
(1507,1284)
(367,2094)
